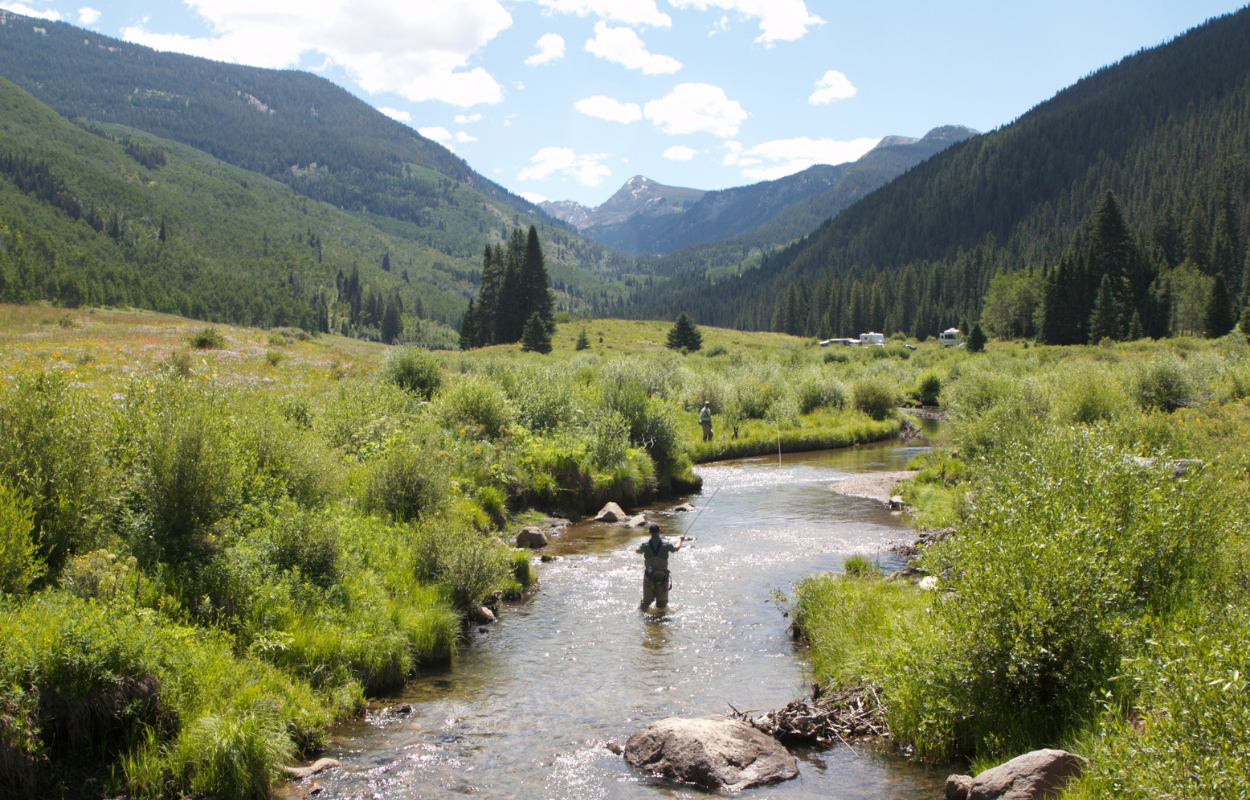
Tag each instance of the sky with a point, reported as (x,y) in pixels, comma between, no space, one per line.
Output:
(568,99)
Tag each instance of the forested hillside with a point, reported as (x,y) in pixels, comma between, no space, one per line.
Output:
(295,128)
(105,215)
(1166,130)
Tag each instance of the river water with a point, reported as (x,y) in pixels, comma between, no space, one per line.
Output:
(527,707)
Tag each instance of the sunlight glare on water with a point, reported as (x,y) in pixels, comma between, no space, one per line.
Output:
(528,706)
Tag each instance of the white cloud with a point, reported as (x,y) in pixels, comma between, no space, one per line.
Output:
(780,20)
(88,16)
(781,157)
(680,153)
(603,107)
(697,108)
(534,197)
(437,133)
(418,49)
(622,46)
(396,114)
(630,12)
(465,119)
(465,138)
(27,11)
(833,86)
(586,168)
(550,48)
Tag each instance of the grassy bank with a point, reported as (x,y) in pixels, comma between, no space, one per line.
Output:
(1095,593)
(216,542)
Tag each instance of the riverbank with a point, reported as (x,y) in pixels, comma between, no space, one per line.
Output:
(313,517)
(1093,599)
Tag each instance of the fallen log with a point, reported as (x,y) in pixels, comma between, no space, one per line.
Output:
(846,715)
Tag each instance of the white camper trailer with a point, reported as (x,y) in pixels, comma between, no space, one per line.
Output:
(872,339)
(949,337)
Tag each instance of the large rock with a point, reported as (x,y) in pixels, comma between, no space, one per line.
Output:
(639,521)
(531,537)
(611,513)
(714,752)
(1033,776)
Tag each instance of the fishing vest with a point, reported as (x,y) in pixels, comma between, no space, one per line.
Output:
(656,557)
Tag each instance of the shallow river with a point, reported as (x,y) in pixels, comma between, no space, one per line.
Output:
(527,707)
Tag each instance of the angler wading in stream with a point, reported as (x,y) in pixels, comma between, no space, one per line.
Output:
(656,578)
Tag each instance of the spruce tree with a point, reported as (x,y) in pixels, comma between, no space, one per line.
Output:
(1104,322)
(583,341)
(392,320)
(469,328)
(535,338)
(536,284)
(1220,316)
(513,310)
(485,320)
(1245,317)
(1135,329)
(976,339)
(684,335)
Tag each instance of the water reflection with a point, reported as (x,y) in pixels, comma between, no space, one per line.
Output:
(527,708)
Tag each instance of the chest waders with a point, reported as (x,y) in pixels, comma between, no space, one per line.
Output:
(661,577)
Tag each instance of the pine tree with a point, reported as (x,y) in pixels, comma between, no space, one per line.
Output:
(684,335)
(1135,329)
(392,320)
(386,262)
(513,309)
(536,284)
(1113,256)
(1104,322)
(976,339)
(1220,315)
(161,235)
(583,341)
(469,328)
(1245,317)
(486,320)
(535,338)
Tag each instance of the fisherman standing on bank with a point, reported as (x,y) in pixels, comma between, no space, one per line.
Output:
(705,419)
(656,579)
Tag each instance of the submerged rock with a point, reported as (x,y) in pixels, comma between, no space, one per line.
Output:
(318,766)
(531,537)
(683,507)
(1039,775)
(611,513)
(714,752)
(636,522)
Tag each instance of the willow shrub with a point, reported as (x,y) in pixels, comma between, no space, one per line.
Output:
(413,370)
(1067,550)
(19,564)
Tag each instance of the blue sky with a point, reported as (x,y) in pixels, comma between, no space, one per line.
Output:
(567,99)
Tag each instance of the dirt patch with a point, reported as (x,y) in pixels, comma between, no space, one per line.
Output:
(877,486)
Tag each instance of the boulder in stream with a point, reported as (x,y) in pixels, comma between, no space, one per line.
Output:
(639,521)
(714,752)
(684,507)
(531,537)
(611,513)
(1039,775)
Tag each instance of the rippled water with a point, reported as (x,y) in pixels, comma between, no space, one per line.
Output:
(527,707)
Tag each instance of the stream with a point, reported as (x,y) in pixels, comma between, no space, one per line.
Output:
(527,706)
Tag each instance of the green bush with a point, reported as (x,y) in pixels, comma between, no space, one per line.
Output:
(476,405)
(97,575)
(929,388)
(19,563)
(53,452)
(1072,547)
(413,370)
(875,396)
(1163,385)
(404,483)
(469,563)
(307,543)
(820,391)
(192,479)
(207,339)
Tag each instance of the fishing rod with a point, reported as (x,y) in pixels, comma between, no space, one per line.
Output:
(690,527)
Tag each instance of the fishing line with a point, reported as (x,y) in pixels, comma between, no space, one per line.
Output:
(690,527)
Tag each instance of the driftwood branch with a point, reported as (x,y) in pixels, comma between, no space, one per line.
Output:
(847,715)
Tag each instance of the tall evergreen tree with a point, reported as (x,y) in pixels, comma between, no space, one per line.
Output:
(469,330)
(684,335)
(535,338)
(513,310)
(1104,321)
(488,294)
(976,339)
(392,320)
(536,284)
(1221,314)
(583,341)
